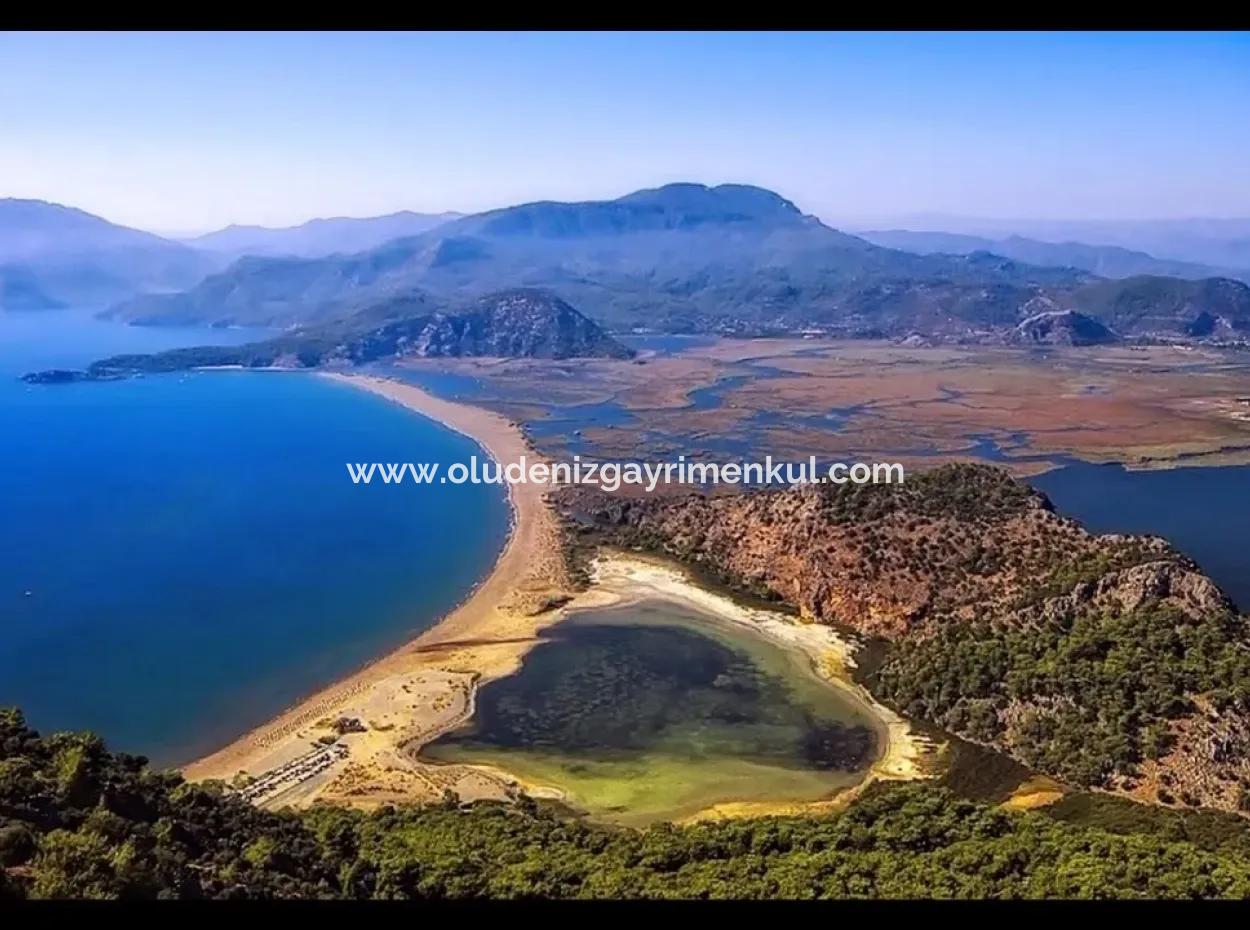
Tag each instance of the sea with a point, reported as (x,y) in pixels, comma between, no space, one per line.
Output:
(184,556)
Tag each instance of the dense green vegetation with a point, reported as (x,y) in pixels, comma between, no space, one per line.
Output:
(1151,303)
(1214,831)
(1082,699)
(1007,624)
(961,490)
(78,821)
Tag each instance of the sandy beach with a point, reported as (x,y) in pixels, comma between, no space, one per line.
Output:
(357,741)
(426,686)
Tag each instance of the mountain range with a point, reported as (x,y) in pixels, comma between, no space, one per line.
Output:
(320,237)
(731,259)
(689,258)
(1213,241)
(52,256)
(1107,261)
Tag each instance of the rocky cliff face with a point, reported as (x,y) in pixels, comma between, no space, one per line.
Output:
(1104,660)
(949,545)
(510,324)
(515,324)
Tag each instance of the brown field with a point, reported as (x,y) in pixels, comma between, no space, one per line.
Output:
(1145,407)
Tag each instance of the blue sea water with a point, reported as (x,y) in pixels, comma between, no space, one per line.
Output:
(197,559)
(1203,512)
(184,555)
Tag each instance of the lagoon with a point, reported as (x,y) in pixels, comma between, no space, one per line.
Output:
(655,711)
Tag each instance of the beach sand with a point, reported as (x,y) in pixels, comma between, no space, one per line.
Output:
(427,687)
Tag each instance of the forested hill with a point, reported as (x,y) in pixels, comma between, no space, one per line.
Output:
(77,821)
(511,324)
(1105,661)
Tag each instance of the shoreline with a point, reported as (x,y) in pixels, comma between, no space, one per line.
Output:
(623,578)
(410,696)
(482,637)
(620,579)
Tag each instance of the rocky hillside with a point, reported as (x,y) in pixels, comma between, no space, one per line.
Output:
(1060,328)
(1108,660)
(510,324)
(514,324)
(1213,308)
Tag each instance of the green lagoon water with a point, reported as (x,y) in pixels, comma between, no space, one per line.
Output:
(652,712)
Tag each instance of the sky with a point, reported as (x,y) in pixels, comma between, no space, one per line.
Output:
(190,132)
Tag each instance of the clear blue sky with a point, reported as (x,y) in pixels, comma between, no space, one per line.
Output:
(189,132)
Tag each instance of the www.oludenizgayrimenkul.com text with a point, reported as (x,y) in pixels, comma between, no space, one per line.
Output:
(611,476)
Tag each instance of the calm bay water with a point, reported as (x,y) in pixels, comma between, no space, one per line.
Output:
(185,556)
(1204,512)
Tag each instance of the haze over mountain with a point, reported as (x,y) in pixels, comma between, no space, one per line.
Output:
(1216,242)
(319,237)
(681,257)
(52,255)
(690,258)
(1107,261)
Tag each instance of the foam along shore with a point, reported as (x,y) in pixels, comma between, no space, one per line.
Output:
(425,687)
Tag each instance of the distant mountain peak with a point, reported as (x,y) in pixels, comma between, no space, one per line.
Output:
(730,258)
(317,238)
(54,255)
(29,217)
(15,205)
(680,206)
(743,199)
